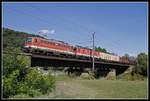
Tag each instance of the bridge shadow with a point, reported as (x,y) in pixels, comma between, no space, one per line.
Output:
(73,64)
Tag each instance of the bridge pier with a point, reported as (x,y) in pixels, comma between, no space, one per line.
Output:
(102,69)
(111,74)
(74,71)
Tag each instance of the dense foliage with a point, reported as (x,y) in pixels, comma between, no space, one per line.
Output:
(13,38)
(142,64)
(140,68)
(18,79)
(101,49)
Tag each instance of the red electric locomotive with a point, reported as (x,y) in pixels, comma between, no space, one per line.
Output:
(58,48)
(36,44)
(45,46)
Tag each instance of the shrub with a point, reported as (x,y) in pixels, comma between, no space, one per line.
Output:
(131,76)
(85,76)
(22,81)
(36,80)
(138,76)
(34,92)
(111,77)
(90,75)
(21,95)
(9,84)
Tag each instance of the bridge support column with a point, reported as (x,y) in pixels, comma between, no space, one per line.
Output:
(112,74)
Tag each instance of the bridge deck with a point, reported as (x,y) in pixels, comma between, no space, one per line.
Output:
(66,59)
(76,60)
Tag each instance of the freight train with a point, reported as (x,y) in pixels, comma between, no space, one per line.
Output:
(52,47)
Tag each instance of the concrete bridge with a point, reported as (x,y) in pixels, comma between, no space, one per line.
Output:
(77,65)
(102,68)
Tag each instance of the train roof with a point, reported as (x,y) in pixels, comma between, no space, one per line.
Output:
(81,47)
(62,42)
(58,41)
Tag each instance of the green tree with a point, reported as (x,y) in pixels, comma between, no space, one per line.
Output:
(13,38)
(101,49)
(21,80)
(14,68)
(142,64)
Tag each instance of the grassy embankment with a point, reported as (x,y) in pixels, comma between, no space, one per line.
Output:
(76,88)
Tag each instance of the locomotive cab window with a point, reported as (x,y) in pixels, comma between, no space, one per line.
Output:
(29,40)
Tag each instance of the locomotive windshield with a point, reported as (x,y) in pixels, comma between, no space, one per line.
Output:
(29,40)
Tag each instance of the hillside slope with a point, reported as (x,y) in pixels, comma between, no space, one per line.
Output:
(12,38)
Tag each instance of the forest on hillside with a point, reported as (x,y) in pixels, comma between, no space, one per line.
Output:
(12,38)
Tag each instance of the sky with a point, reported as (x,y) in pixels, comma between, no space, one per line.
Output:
(119,27)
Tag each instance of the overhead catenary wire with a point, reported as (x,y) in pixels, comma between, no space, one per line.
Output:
(30,15)
(88,30)
(81,43)
(47,22)
(36,17)
(67,20)
(44,20)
